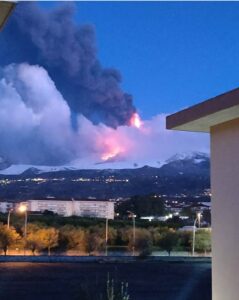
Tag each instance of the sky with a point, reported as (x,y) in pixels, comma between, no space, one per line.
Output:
(171,54)
(106,74)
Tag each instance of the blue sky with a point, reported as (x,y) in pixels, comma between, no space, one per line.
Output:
(171,54)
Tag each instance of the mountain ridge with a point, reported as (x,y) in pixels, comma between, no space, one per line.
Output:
(185,177)
(18,169)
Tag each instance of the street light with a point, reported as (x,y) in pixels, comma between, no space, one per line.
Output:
(198,219)
(6,7)
(23,209)
(8,217)
(199,215)
(133,219)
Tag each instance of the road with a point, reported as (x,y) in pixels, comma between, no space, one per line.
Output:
(69,281)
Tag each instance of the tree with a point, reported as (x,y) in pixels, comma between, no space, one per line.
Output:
(143,242)
(124,235)
(95,241)
(34,239)
(8,237)
(49,237)
(112,235)
(168,241)
(185,240)
(207,216)
(71,237)
(142,206)
(203,241)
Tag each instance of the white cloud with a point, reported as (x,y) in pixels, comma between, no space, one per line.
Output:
(35,127)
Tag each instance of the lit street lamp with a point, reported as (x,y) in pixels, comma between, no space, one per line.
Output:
(133,219)
(8,217)
(198,219)
(6,7)
(23,209)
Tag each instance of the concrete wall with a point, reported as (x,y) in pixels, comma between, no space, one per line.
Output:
(98,209)
(225,210)
(5,206)
(63,208)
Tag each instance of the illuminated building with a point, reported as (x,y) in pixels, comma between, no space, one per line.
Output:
(82,208)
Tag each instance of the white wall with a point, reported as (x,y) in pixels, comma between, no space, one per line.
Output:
(225,210)
(5,206)
(98,209)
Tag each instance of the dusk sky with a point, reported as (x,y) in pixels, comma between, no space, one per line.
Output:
(170,55)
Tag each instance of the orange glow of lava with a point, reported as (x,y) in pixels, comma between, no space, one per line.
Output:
(111,154)
(136,121)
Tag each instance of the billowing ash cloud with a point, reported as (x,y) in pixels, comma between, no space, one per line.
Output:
(50,80)
(34,118)
(35,121)
(35,128)
(68,52)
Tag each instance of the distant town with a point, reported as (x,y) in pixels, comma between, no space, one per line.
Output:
(177,178)
(140,211)
(174,192)
(157,208)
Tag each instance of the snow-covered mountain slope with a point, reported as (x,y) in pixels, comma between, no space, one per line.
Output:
(189,175)
(19,169)
(194,158)
(187,163)
(197,157)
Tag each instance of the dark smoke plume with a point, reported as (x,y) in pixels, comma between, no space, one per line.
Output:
(68,52)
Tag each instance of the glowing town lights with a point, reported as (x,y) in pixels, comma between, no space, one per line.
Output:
(135,121)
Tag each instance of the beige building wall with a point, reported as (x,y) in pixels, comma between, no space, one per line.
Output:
(97,209)
(225,210)
(59,207)
(5,206)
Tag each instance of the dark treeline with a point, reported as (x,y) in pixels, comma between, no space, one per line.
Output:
(55,234)
(142,206)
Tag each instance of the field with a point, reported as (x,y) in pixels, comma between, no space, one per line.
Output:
(70,281)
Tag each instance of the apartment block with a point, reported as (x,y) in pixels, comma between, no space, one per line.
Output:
(5,206)
(82,208)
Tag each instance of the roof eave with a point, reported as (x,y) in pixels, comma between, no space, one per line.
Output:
(201,117)
(6,8)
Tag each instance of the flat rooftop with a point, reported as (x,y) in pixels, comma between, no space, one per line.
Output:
(69,200)
(5,11)
(201,117)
